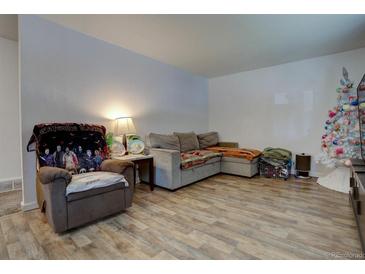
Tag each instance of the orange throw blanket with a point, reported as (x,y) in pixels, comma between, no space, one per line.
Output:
(248,154)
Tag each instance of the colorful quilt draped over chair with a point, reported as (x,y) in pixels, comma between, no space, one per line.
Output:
(79,148)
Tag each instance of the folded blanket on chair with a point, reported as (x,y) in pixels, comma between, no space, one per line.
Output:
(91,180)
(248,154)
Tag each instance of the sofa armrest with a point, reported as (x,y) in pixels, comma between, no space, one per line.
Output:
(228,144)
(51,174)
(170,155)
(168,171)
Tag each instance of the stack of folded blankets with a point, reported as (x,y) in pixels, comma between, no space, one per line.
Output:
(275,163)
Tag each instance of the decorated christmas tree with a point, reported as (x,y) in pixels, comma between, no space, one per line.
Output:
(342,138)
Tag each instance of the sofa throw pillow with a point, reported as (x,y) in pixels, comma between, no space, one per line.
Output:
(208,139)
(164,141)
(188,141)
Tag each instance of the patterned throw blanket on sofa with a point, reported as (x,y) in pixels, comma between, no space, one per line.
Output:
(248,154)
(197,157)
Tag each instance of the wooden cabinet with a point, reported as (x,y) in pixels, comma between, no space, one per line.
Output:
(357,197)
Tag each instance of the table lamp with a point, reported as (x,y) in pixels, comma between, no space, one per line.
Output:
(124,126)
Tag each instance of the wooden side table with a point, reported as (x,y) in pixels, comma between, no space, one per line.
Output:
(141,160)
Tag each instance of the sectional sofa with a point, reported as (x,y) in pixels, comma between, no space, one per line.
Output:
(184,158)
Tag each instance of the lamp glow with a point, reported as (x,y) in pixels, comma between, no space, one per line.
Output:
(124,125)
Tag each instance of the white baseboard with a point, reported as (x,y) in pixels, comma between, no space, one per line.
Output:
(10,179)
(10,184)
(29,206)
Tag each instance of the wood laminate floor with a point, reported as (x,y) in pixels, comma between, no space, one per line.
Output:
(10,202)
(222,217)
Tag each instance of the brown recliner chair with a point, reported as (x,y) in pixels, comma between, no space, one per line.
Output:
(70,200)
(76,209)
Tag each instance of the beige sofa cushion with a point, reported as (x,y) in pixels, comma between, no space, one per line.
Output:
(208,139)
(164,141)
(188,141)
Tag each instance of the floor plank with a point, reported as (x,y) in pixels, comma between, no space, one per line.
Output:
(10,202)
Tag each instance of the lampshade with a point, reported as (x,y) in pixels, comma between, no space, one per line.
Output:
(124,125)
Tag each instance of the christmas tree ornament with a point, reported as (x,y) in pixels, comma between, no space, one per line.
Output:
(331,114)
(339,150)
(346,107)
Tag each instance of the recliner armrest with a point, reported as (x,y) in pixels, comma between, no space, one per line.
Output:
(52,183)
(126,168)
(117,166)
(50,174)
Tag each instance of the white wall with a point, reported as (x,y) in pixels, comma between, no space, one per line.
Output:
(68,76)
(242,106)
(9,111)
